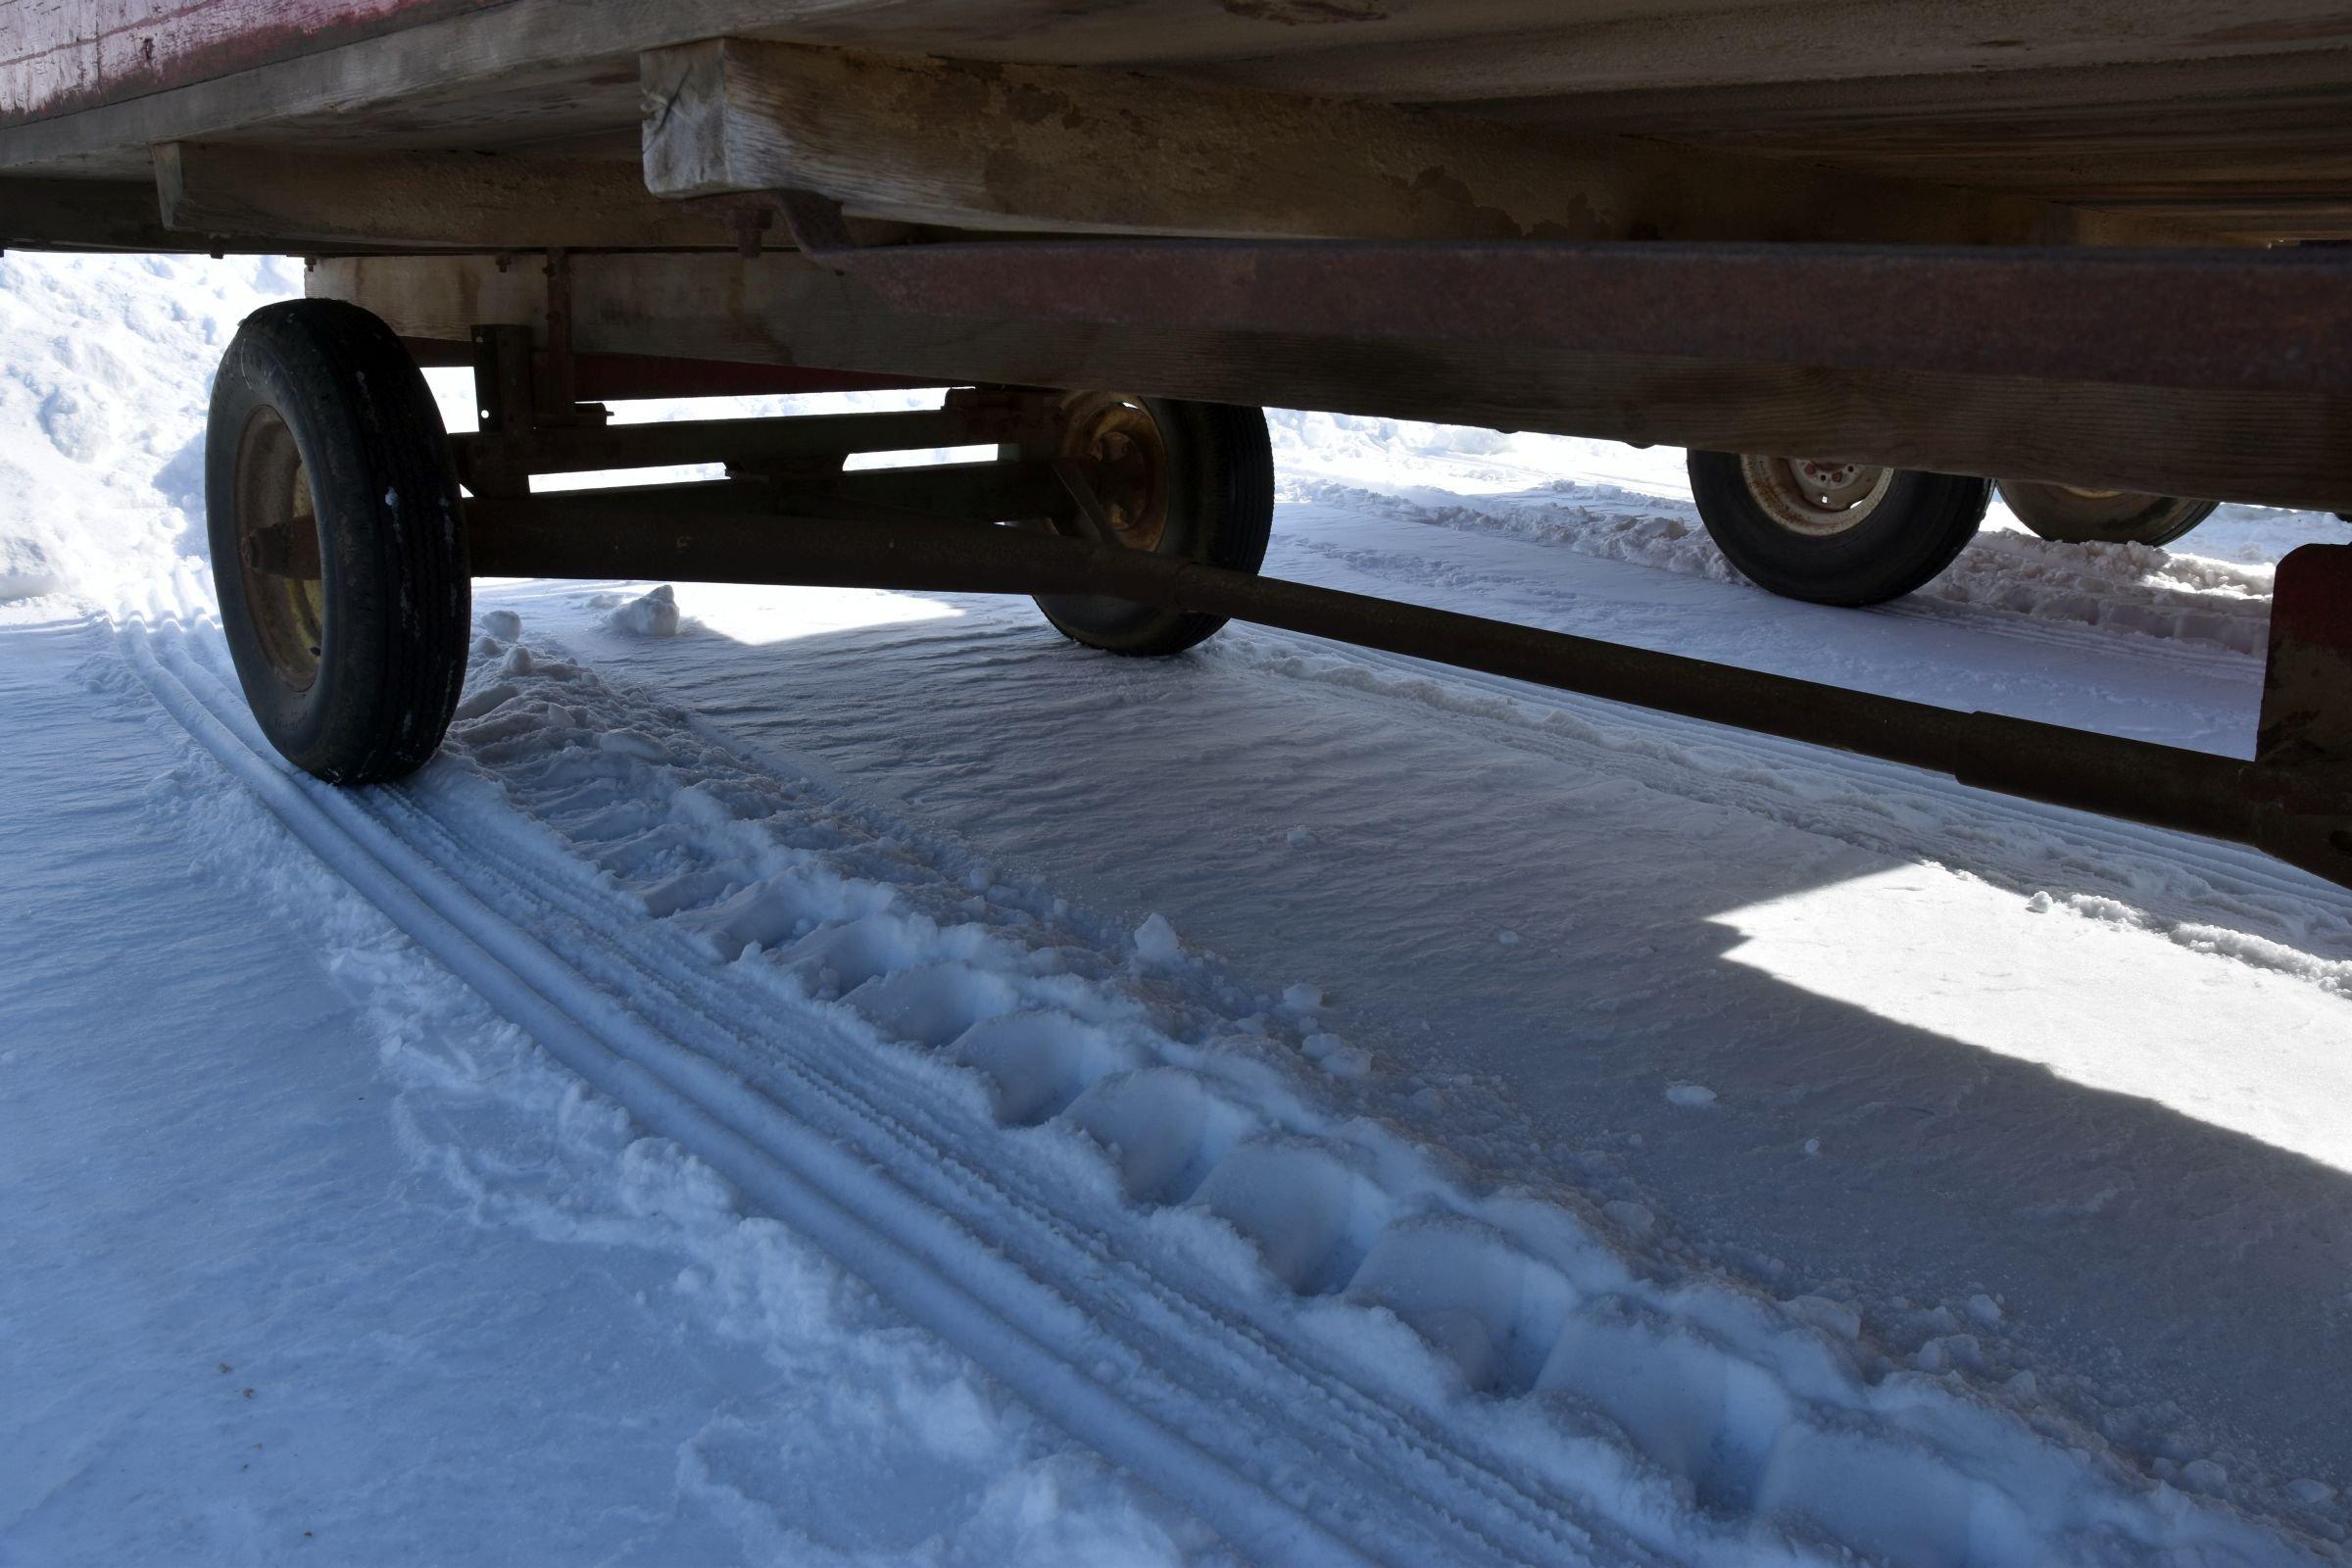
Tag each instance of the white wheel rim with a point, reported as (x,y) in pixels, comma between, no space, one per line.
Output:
(1817,499)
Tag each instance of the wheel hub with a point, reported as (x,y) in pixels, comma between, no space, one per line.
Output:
(1816,497)
(287,604)
(1118,444)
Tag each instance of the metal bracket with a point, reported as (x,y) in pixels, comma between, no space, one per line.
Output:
(2302,772)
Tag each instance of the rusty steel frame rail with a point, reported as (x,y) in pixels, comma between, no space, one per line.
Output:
(2201,319)
(2276,809)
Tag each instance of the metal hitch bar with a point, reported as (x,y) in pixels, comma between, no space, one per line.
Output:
(2294,802)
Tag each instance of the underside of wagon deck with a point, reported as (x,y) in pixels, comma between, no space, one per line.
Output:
(1865,260)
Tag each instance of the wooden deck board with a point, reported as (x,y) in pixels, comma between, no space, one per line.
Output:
(2160,107)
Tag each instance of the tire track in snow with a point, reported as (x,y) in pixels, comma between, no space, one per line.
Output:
(1638,1400)
(558,910)
(797,1179)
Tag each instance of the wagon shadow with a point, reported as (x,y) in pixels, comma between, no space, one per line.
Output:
(1659,940)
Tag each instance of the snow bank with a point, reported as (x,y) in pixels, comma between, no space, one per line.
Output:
(2125,588)
(1633,504)
(109,368)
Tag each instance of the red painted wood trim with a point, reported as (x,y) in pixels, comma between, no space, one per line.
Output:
(60,56)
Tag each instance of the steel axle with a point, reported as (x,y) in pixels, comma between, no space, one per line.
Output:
(2293,802)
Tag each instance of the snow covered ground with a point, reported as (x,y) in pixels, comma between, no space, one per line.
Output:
(847,1077)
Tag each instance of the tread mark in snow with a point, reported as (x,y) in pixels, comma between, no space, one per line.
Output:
(1723,1399)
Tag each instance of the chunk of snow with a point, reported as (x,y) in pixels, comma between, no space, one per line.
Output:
(1630,1215)
(1812,1145)
(1347,1061)
(502,623)
(1824,1314)
(1692,1095)
(1299,838)
(2040,904)
(1155,941)
(2307,1491)
(1985,1310)
(1510,939)
(1302,997)
(653,614)
(26,570)
(1336,1056)
(2203,1475)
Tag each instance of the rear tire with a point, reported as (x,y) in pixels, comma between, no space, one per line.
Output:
(2070,516)
(1194,480)
(1835,533)
(337,542)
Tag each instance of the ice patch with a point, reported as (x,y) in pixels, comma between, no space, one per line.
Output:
(1690,1095)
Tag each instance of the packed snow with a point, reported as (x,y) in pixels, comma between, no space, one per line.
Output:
(834,1076)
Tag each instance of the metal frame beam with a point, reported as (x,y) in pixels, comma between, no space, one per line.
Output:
(2223,375)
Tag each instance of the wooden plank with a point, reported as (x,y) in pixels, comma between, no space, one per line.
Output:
(478,201)
(99,215)
(2261,146)
(523,72)
(58,56)
(1086,150)
(68,54)
(2271,448)
(1577,48)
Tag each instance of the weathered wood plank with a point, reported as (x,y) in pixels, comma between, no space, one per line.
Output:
(1578,48)
(1087,150)
(333,199)
(2256,145)
(523,73)
(59,56)
(100,215)
(2280,449)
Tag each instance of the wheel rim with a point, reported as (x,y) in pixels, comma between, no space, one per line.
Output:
(2090,511)
(281,550)
(1806,496)
(1117,445)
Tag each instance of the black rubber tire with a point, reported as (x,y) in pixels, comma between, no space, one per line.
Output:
(1918,526)
(1220,512)
(397,594)
(2067,518)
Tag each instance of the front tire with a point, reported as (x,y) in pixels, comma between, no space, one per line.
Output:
(2066,516)
(1178,478)
(337,542)
(1835,533)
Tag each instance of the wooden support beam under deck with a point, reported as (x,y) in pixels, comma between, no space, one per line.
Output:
(2276,447)
(331,199)
(1087,149)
